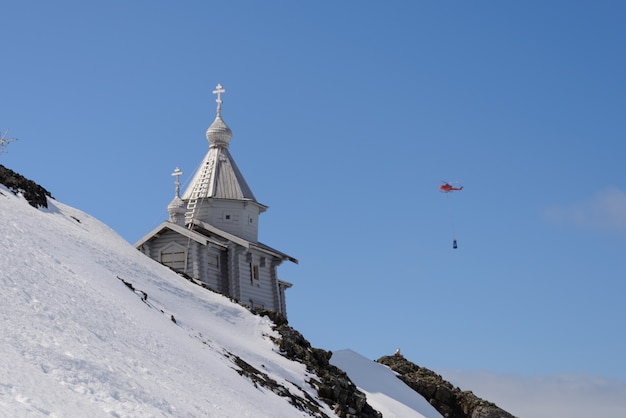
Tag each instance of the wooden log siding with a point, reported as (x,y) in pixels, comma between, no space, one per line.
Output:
(154,248)
(215,267)
(173,255)
(282,300)
(234,252)
(251,219)
(259,292)
(224,273)
(229,270)
(221,216)
(146,248)
(194,260)
(273,263)
(241,222)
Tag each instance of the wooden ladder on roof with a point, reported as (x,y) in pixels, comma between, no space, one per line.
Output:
(200,188)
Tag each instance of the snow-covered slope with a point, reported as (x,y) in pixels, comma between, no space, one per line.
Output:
(385,392)
(91,327)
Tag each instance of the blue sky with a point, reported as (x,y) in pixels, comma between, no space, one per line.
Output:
(346,116)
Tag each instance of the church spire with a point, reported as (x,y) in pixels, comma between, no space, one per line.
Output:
(219,134)
(177,207)
(218,193)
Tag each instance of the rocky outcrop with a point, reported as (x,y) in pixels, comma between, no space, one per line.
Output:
(32,192)
(337,390)
(450,401)
(334,387)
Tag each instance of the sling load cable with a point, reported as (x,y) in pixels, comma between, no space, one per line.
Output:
(447,188)
(454,244)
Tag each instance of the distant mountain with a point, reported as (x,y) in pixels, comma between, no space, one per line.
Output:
(92,327)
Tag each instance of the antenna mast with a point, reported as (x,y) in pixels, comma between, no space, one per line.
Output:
(4,141)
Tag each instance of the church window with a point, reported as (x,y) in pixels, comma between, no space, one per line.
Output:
(262,263)
(214,260)
(174,256)
(254,273)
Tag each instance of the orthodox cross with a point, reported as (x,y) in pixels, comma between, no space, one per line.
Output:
(219,90)
(177,173)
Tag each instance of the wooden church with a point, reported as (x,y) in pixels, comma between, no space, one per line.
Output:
(212,231)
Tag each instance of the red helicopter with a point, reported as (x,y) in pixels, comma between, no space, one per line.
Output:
(447,187)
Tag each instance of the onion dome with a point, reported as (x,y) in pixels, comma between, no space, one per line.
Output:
(219,134)
(176,205)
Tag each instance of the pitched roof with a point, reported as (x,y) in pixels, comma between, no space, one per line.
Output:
(202,235)
(167,225)
(208,228)
(218,177)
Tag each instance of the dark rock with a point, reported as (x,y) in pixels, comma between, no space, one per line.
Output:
(334,387)
(450,401)
(259,378)
(32,192)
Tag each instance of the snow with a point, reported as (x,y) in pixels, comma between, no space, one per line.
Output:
(385,392)
(92,327)
(78,341)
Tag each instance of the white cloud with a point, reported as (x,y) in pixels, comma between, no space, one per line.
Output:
(553,396)
(605,211)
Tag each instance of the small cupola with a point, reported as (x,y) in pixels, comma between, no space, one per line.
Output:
(177,206)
